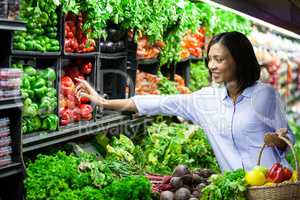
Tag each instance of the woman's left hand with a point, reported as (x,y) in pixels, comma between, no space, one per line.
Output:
(272,139)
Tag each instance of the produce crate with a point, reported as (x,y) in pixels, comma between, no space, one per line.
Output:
(31,53)
(113,76)
(37,95)
(94,53)
(68,68)
(150,66)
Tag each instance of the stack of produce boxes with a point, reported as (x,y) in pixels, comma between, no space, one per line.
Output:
(5,142)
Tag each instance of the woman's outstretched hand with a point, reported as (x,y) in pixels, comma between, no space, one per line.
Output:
(84,89)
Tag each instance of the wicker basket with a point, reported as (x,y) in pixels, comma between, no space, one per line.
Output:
(284,191)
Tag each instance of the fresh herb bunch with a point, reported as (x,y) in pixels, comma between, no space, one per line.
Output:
(199,76)
(166,146)
(165,86)
(62,176)
(229,186)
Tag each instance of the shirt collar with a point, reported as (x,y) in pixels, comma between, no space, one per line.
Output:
(246,93)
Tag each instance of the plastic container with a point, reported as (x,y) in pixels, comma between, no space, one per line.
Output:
(5,151)
(10,84)
(6,160)
(5,141)
(4,132)
(9,93)
(10,73)
(3,8)
(4,122)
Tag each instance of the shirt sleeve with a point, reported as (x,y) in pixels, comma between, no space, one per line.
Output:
(176,105)
(268,104)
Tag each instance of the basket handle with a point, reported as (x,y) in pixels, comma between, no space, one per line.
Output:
(287,141)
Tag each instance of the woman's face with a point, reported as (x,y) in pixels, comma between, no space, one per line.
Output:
(221,64)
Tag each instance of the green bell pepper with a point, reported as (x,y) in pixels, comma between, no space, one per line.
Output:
(24,126)
(41,91)
(30,110)
(50,122)
(53,48)
(30,71)
(29,45)
(40,82)
(28,124)
(27,93)
(19,46)
(36,123)
(25,82)
(51,92)
(32,80)
(48,74)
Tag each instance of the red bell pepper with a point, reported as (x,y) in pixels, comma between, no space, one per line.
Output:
(278,173)
(287,173)
(65,113)
(64,122)
(67,85)
(86,111)
(86,68)
(84,100)
(87,107)
(76,114)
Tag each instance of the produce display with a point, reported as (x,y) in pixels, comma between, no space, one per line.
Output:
(152,84)
(192,44)
(170,145)
(42,27)
(147,51)
(72,109)
(64,176)
(75,39)
(39,99)
(199,76)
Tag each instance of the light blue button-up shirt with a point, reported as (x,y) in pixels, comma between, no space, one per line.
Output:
(235,131)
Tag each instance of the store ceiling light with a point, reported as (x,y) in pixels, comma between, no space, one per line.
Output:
(256,20)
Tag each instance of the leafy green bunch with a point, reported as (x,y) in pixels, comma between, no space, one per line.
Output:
(227,186)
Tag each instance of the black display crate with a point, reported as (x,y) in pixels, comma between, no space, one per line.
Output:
(91,78)
(113,76)
(75,54)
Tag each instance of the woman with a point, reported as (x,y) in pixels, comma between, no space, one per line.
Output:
(238,115)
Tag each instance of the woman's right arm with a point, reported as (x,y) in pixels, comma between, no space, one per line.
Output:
(84,89)
(177,105)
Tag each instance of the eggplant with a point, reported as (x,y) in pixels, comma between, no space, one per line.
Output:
(115,34)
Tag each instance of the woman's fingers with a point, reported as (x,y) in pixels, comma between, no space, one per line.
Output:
(269,139)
